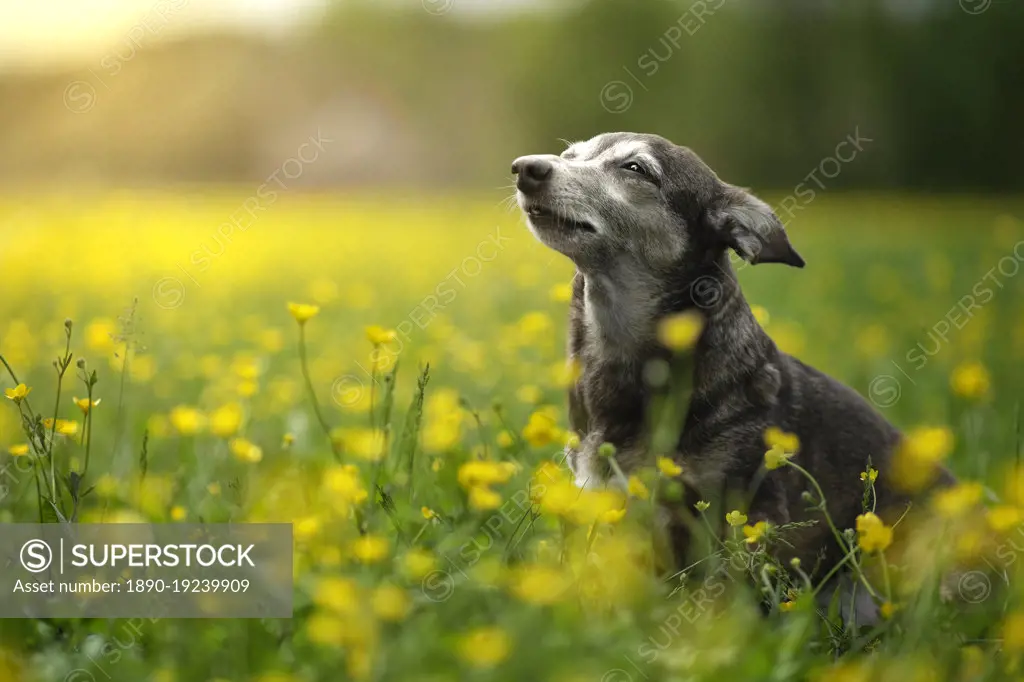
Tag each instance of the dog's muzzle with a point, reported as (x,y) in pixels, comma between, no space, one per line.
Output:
(532,173)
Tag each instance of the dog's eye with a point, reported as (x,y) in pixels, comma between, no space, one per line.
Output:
(634,167)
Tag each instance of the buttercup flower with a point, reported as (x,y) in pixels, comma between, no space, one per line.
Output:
(245,451)
(970,380)
(370,549)
(774,437)
(226,420)
(18,450)
(702,506)
(872,533)
(870,475)
(390,603)
(1004,517)
(679,332)
(379,336)
(776,457)
(418,563)
(755,533)
(637,488)
(669,468)
(735,518)
(542,429)
(958,500)
(65,427)
(1013,632)
(918,455)
(84,405)
(612,516)
(484,647)
(483,498)
(187,421)
(18,393)
(302,312)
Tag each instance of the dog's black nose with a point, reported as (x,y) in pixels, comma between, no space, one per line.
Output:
(531,172)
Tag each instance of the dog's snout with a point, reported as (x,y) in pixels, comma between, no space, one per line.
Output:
(531,172)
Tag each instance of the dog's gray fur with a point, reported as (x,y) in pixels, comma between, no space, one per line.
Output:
(653,240)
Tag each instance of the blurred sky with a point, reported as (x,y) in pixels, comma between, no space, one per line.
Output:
(56,33)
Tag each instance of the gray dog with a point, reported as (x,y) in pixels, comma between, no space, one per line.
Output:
(649,227)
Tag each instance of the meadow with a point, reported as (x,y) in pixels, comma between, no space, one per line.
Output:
(389,376)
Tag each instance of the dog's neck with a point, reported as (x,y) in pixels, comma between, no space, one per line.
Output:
(615,316)
(622,306)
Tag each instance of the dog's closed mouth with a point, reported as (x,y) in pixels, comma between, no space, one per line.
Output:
(541,213)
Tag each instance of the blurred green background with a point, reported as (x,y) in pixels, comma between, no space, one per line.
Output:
(447,92)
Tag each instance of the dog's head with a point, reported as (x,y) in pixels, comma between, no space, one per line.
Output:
(641,196)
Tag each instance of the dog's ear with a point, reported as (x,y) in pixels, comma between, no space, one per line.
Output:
(750,227)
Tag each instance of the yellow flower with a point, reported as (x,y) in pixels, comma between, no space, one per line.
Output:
(65,427)
(776,457)
(702,505)
(787,606)
(379,336)
(505,439)
(761,315)
(418,563)
(345,485)
(482,473)
(213,488)
(870,475)
(755,533)
(18,393)
(84,405)
(1004,517)
(680,331)
(178,513)
(669,468)
(484,647)
(390,603)
(287,440)
(872,533)
(364,443)
(561,293)
(776,437)
(529,394)
(245,451)
(1013,632)
(970,380)
(887,609)
(956,501)
(541,429)
(303,311)
(337,594)
(428,513)
(370,549)
(918,455)
(187,421)
(736,518)
(483,498)
(541,585)
(637,488)
(18,450)
(226,420)
(612,516)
